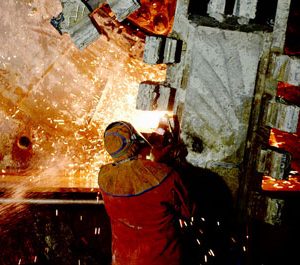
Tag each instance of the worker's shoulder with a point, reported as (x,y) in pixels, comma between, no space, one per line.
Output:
(152,166)
(132,177)
(105,167)
(134,164)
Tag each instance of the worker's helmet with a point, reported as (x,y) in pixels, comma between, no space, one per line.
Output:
(122,141)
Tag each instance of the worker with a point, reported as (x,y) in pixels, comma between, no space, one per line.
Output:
(145,200)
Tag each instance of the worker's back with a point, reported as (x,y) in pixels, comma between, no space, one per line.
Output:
(144,201)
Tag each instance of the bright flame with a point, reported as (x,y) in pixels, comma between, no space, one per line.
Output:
(146,121)
(273,140)
(271,184)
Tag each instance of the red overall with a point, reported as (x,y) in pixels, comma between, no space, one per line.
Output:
(144,201)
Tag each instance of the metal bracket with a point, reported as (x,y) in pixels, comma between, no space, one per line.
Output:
(162,50)
(281,116)
(274,163)
(266,209)
(155,96)
(123,8)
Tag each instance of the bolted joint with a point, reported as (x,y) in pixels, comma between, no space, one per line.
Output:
(162,50)
(275,163)
(155,96)
(287,69)
(281,116)
(266,209)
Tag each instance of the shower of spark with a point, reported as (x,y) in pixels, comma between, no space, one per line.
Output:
(66,100)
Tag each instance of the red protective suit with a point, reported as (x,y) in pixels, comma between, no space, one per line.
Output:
(144,201)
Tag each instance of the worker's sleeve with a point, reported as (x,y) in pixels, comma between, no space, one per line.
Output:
(182,202)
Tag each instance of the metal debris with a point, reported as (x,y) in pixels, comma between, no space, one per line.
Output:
(123,8)
(75,21)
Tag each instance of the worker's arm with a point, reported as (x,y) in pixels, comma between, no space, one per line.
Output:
(182,202)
